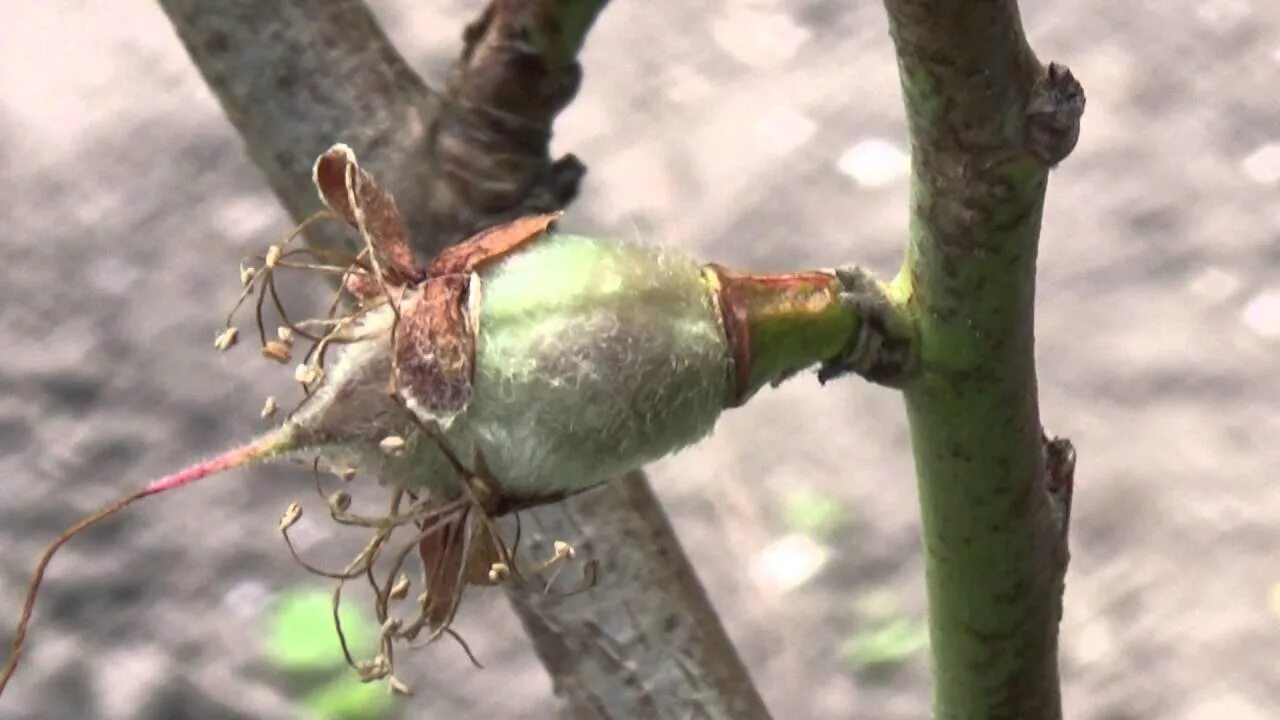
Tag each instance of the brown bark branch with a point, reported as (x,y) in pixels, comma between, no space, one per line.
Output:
(295,76)
(644,641)
(493,137)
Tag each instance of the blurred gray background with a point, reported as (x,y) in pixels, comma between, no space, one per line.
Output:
(761,134)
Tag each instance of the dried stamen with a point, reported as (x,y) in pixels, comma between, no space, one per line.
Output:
(265,447)
(226,339)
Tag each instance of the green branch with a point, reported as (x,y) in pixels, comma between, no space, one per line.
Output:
(987,121)
(778,325)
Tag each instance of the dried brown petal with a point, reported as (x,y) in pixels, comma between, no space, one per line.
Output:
(442,561)
(434,351)
(339,179)
(362,285)
(490,245)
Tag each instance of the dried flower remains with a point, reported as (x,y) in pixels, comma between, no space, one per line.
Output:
(512,370)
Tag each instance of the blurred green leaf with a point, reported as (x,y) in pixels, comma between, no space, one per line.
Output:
(302,636)
(813,514)
(886,644)
(349,699)
(878,606)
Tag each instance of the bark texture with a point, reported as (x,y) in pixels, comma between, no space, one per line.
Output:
(644,641)
(987,121)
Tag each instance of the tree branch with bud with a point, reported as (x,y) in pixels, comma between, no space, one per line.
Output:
(522,366)
(987,122)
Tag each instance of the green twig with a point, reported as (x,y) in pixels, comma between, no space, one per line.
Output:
(987,121)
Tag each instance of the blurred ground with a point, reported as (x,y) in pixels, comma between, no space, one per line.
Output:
(761,134)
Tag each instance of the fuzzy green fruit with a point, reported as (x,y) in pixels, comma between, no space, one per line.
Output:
(592,358)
